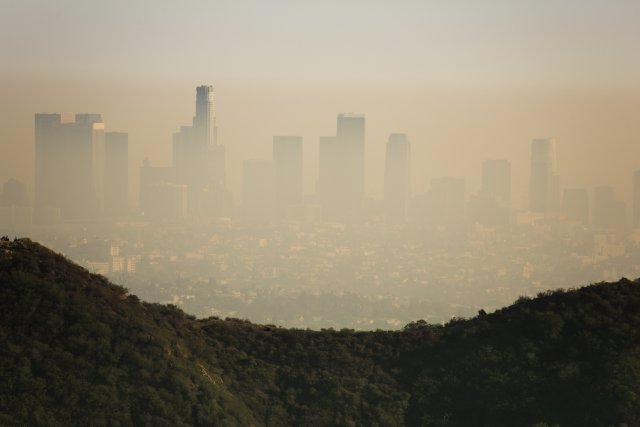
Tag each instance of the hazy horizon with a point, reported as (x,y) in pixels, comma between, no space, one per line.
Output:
(482,80)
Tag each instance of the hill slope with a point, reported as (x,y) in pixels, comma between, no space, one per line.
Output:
(78,350)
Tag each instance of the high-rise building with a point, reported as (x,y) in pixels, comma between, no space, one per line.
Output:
(258,190)
(351,135)
(397,179)
(544,190)
(116,175)
(204,122)
(198,158)
(341,170)
(287,156)
(575,205)
(69,167)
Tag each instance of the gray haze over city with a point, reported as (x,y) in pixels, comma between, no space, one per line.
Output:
(355,165)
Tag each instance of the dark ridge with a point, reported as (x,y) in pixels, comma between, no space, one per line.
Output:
(76,349)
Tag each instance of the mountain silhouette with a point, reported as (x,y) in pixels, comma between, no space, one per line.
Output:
(77,350)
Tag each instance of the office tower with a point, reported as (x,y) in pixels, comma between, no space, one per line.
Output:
(205,134)
(258,195)
(116,175)
(69,167)
(636,198)
(350,135)
(397,179)
(608,213)
(444,202)
(341,170)
(199,160)
(575,205)
(204,122)
(544,188)
(496,179)
(287,156)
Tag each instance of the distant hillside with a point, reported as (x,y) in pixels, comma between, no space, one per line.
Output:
(76,350)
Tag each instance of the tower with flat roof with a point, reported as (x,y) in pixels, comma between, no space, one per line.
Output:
(69,167)
(341,169)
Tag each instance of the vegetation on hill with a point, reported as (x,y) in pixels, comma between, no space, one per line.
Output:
(78,350)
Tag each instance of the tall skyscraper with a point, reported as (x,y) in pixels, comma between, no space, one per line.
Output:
(350,135)
(287,156)
(544,191)
(204,122)
(116,175)
(397,179)
(199,159)
(341,169)
(69,167)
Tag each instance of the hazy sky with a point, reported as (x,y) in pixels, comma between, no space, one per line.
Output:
(466,80)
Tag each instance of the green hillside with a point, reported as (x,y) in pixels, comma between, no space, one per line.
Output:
(78,350)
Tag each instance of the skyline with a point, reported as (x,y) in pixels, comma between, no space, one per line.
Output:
(77,175)
(610,163)
(453,247)
(520,195)
(483,80)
